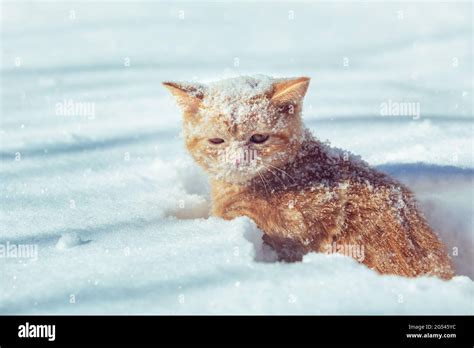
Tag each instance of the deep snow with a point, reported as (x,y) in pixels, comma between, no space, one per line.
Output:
(120,213)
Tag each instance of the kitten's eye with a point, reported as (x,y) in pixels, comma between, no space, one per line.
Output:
(258,138)
(216,141)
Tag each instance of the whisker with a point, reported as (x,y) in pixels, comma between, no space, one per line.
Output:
(281,170)
(268,183)
(271,171)
(263,182)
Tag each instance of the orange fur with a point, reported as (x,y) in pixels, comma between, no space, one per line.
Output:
(304,195)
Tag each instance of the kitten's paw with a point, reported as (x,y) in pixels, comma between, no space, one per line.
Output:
(285,249)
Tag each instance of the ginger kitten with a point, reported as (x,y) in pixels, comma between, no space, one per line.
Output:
(247,134)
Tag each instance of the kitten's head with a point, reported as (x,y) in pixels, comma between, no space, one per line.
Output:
(237,128)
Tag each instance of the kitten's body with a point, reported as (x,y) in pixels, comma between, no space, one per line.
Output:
(340,201)
(314,195)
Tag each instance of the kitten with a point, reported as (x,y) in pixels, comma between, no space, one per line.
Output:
(305,196)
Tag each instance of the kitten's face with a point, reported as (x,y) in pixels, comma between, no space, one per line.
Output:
(238,128)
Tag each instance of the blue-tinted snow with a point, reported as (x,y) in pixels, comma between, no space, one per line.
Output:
(121,183)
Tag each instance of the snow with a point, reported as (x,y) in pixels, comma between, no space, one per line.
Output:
(120,213)
(230,96)
(69,240)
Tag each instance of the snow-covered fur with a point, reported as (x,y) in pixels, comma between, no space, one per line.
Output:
(247,133)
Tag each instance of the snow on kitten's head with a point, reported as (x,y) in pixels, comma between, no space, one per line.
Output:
(237,128)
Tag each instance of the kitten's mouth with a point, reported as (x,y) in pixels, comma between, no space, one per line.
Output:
(243,169)
(237,166)
(238,173)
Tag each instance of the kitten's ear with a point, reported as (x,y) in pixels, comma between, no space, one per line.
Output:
(188,95)
(290,91)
